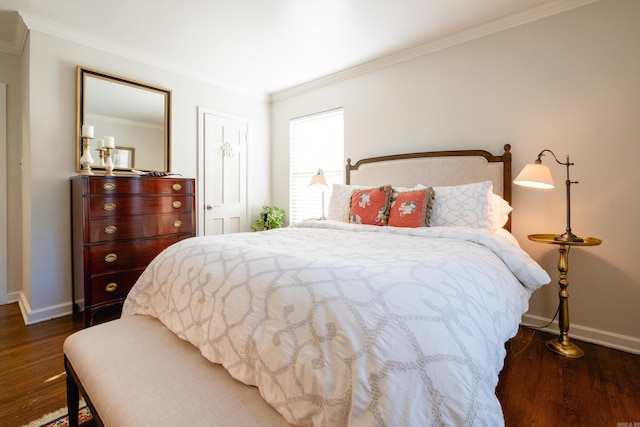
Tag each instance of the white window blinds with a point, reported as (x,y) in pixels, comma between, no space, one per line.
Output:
(316,142)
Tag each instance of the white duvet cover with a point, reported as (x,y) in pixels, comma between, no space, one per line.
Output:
(341,324)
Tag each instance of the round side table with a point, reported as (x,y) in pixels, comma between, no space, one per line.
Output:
(562,345)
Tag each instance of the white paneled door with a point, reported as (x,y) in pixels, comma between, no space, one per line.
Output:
(224,173)
(4,278)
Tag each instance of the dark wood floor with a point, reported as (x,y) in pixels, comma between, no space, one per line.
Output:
(540,388)
(537,387)
(32,378)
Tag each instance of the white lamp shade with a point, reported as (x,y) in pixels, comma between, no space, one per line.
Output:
(318,180)
(535,175)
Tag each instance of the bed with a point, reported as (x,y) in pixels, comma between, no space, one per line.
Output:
(369,318)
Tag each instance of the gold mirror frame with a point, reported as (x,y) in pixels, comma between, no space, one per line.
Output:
(148,136)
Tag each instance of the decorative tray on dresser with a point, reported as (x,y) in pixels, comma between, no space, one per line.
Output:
(119,224)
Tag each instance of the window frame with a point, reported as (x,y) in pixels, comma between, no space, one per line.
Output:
(316,141)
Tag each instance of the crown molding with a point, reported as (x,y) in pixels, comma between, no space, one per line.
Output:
(31,22)
(65,33)
(474,33)
(16,44)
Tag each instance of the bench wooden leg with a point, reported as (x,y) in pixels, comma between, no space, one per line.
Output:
(74,389)
(73,396)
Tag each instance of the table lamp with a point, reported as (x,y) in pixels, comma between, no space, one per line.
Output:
(538,175)
(318,181)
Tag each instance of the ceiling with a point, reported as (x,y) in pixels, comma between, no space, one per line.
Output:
(267,46)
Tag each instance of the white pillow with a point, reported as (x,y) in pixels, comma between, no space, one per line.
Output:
(340,201)
(501,210)
(467,205)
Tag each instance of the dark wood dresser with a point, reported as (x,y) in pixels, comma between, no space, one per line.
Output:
(119,224)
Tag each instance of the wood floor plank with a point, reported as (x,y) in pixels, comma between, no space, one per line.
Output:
(31,365)
(537,388)
(32,378)
(540,388)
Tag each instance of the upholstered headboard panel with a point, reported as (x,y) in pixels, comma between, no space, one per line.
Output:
(435,168)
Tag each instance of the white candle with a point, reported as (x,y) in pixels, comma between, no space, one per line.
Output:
(109,142)
(87,131)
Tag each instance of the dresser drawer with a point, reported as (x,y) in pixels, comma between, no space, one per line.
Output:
(108,257)
(115,286)
(110,206)
(104,185)
(140,226)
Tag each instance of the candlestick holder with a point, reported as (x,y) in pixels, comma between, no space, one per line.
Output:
(101,157)
(86,160)
(108,162)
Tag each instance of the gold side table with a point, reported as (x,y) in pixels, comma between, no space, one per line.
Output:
(562,345)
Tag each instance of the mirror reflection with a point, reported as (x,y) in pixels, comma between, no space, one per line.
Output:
(136,114)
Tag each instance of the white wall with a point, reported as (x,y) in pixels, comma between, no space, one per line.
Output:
(48,145)
(570,83)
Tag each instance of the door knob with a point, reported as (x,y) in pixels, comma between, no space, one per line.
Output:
(209,207)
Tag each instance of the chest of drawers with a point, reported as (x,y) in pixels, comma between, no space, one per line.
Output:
(119,224)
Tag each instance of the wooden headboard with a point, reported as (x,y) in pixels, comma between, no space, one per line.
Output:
(437,169)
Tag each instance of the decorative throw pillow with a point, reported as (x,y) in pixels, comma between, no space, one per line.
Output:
(340,201)
(410,208)
(466,205)
(370,206)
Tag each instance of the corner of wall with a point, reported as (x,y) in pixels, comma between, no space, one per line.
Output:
(30,316)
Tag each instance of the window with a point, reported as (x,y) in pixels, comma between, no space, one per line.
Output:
(316,142)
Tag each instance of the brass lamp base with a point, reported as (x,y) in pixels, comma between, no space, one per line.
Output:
(566,348)
(568,237)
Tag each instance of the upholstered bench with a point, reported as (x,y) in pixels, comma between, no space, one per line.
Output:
(135,372)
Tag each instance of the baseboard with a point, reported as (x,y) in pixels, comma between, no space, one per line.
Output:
(36,316)
(13,297)
(584,333)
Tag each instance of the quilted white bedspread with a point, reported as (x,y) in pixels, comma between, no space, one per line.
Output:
(342,324)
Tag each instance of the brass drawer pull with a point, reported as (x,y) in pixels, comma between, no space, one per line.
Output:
(109,186)
(176,187)
(111,287)
(110,257)
(109,207)
(177,204)
(177,224)
(110,229)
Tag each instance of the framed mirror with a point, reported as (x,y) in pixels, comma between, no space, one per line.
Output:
(137,115)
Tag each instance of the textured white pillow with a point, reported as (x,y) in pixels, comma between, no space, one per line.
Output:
(467,205)
(501,210)
(339,203)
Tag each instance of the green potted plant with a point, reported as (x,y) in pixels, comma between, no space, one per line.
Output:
(270,217)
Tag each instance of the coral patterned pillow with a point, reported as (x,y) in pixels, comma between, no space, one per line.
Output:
(411,208)
(340,201)
(370,206)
